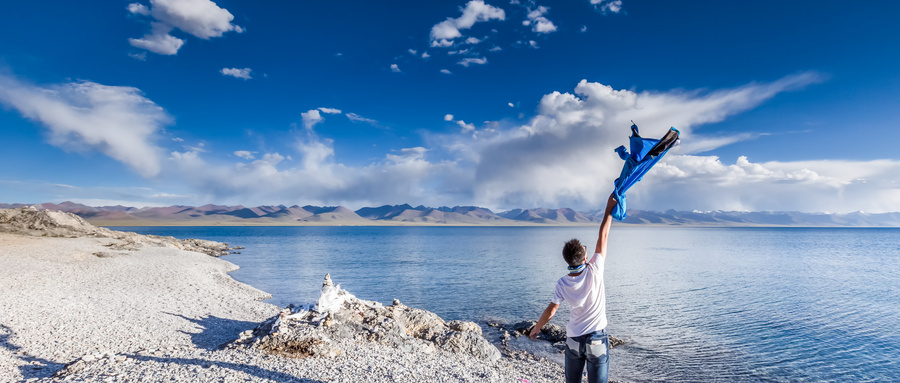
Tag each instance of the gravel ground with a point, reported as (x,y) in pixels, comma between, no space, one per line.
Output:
(160,314)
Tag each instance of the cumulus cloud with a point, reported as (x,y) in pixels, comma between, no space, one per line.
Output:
(544,162)
(311,118)
(318,179)
(237,73)
(443,33)
(139,9)
(464,127)
(446,71)
(159,40)
(395,68)
(614,6)
(247,155)
(561,157)
(472,60)
(538,22)
(708,183)
(117,121)
(200,18)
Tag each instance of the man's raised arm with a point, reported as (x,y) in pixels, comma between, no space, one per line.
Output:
(605,225)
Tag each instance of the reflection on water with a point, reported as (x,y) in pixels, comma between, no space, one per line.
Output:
(735,304)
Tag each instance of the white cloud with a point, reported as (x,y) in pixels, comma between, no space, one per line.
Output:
(543,162)
(139,9)
(357,118)
(706,183)
(584,28)
(425,55)
(614,6)
(319,179)
(395,68)
(511,105)
(562,157)
(495,49)
(311,118)
(159,41)
(413,52)
(459,52)
(200,18)
(472,60)
(445,71)
(142,56)
(465,128)
(237,73)
(330,110)
(533,44)
(538,22)
(472,40)
(443,33)
(441,43)
(117,121)
(247,155)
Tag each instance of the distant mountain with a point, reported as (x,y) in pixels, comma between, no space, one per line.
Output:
(547,216)
(459,215)
(334,215)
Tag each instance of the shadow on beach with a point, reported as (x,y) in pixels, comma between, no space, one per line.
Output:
(245,368)
(33,367)
(215,332)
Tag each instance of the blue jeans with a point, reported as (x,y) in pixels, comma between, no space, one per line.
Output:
(592,348)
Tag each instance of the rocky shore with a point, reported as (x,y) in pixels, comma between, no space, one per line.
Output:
(44,223)
(83,303)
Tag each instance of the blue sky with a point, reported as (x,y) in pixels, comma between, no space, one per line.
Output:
(502,104)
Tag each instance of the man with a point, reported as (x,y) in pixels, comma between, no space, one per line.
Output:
(587,341)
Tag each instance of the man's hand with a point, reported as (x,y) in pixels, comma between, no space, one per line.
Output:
(545,317)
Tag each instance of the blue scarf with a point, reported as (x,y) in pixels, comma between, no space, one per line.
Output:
(577,269)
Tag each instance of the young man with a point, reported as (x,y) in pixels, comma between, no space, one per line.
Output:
(586,337)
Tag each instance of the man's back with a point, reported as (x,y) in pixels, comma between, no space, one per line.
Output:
(586,294)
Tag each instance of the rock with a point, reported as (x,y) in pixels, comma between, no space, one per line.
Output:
(464,326)
(552,333)
(298,332)
(613,341)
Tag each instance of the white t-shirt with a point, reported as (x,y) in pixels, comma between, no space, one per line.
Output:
(586,295)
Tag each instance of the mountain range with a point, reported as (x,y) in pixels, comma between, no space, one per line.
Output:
(460,215)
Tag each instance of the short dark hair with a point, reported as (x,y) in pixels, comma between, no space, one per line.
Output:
(573,252)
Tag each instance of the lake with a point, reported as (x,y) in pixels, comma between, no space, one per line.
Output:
(693,304)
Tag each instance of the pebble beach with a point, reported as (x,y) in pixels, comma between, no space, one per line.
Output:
(84,307)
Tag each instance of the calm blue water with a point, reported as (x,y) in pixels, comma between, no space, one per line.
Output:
(693,304)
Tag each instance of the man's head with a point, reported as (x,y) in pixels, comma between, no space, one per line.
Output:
(574,252)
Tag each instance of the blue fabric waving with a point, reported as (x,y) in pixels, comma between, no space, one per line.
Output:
(645,152)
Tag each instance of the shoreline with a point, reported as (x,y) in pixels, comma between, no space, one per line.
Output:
(81,308)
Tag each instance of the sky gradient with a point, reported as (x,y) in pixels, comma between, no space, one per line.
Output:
(497,104)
